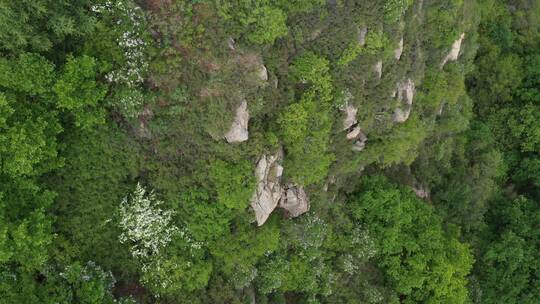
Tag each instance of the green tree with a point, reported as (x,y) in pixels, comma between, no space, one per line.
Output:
(78,91)
(509,261)
(40,25)
(394,9)
(269,24)
(421,261)
(306,125)
(234,183)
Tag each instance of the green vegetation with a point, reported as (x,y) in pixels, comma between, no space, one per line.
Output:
(421,175)
(306,124)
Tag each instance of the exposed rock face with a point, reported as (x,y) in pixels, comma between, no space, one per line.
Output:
(350,118)
(399,50)
(401,115)
(441,109)
(377,68)
(231,44)
(271,194)
(354,132)
(360,141)
(329,182)
(421,192)
(144,117)
(294,201)
(454,52)
(263,73)
(406,90)
(362,36)
(269,190)
(405,94)
(239,128)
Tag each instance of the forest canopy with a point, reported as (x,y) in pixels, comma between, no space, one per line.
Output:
(257,151)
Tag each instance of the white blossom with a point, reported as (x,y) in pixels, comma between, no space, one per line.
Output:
(364,244)
(144,224)
(130,21)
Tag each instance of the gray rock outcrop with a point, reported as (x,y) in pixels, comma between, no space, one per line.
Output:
(294,201)
(441,109)
(239,128)
(405,94)
(377,68)
(362,36)
(421,191)
(231,44)
(350,116)
(360,141)
(263,73)
(269,190)
(354,131)
(454,52)
(271,194)
(144,116)
(399,50)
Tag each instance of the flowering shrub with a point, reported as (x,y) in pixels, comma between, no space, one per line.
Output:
(129,101)
(144,224)
(129,23)
(171,260)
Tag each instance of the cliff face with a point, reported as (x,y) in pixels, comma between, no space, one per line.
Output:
(251,88)
(378,57)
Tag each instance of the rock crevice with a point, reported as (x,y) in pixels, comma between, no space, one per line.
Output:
(269,190)
(294,201)
(354,131)
(270,193)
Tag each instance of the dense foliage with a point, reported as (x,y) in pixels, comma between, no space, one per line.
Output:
(119,182)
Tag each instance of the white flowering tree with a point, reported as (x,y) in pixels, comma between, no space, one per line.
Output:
(129,23)
(171,260)
(144,224)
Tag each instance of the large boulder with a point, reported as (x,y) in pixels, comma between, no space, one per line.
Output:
(359,141)
(454,52)
(294,201)
(269,190)
(354,132)
(350,116)
(239,128)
